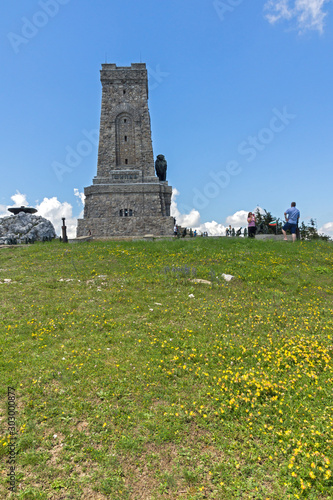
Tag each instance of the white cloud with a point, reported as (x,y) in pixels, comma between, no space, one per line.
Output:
(52,209)
(20,200)
(308,14)
(213,228)
(278,9)
(237,219)
(191,219)
(81,196)
(327,229)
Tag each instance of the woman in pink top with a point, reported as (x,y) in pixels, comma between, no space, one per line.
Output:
(251,220)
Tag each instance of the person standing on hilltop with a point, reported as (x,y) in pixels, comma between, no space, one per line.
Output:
(251,221)
(292,216)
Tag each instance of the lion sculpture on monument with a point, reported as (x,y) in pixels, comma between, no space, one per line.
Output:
(161,167)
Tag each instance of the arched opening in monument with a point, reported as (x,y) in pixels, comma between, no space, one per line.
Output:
(125,144)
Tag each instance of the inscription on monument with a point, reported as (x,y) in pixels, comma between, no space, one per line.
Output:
(126,176)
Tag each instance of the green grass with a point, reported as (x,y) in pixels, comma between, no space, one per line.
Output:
(134,382)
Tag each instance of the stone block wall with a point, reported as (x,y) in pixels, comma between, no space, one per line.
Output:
(125,97)
(105,227)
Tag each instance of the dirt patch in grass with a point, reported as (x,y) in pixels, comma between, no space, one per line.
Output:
(55,453)
(83,427)
(142,474)
(171,471)
(92,495)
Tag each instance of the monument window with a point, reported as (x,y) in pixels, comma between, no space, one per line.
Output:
(124,91)
(125,138)
(126,161)
(125,120)
(126,212)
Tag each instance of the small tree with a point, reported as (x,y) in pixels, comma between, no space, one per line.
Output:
(264,219)
(310,231)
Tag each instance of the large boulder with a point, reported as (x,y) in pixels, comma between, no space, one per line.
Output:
(25,227)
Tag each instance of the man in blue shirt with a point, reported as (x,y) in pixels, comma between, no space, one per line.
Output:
(291,215)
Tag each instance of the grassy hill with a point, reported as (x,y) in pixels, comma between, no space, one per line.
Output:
(132,381)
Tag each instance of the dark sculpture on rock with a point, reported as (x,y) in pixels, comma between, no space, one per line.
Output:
(161,167)
(26,210)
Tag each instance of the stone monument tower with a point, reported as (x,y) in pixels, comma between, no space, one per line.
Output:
(126,197)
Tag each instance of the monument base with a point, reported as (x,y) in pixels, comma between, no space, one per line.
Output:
(108,227)
(126,210)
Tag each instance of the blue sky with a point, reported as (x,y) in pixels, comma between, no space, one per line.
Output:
(240,99)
